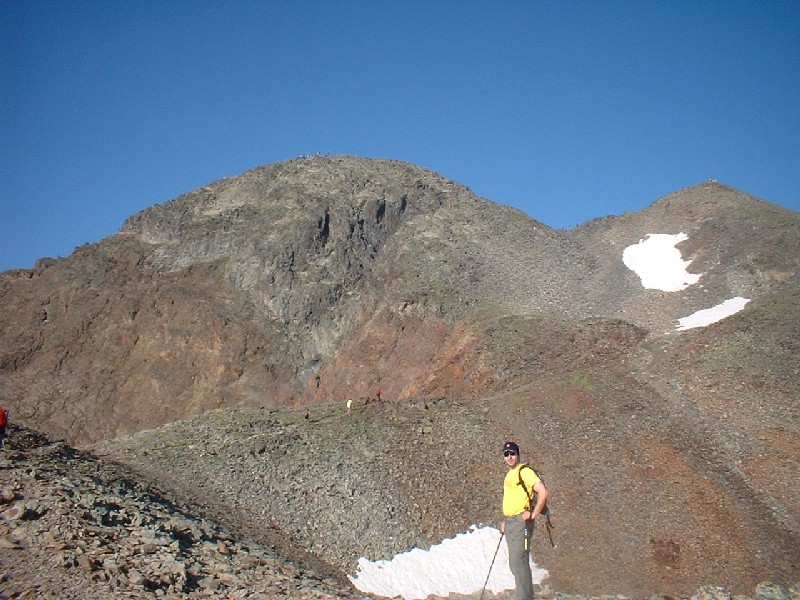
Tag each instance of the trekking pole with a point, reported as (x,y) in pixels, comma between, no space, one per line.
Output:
(549,526)
(529,532)
(485,583)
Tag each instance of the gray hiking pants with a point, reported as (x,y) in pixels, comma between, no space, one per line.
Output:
(519,556)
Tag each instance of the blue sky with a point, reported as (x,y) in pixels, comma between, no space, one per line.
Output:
(567,110)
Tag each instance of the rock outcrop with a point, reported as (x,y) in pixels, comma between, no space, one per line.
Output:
(74,527)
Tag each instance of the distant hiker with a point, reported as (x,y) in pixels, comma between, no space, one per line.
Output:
(378,394)
(3,427)
(349,404)
(520,484)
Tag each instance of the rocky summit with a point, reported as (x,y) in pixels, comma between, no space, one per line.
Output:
(178,391)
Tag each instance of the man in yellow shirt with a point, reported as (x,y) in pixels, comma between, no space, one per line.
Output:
(519,486)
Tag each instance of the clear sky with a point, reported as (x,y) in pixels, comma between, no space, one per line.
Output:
(567,110)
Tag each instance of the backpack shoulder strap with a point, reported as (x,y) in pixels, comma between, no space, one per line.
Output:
(521,482)
(531,493)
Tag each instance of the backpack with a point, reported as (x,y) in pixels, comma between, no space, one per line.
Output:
(532,500)
(3,417)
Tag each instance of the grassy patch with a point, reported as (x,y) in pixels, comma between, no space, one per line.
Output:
(581,381)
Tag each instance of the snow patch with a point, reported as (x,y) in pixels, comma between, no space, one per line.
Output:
(659,264)
(458,565)
(707,316)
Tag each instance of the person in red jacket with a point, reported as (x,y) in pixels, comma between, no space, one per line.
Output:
(3,427)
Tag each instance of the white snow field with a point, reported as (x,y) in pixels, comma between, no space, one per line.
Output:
(458,565)
(704,317)
(660,266)
(658,263)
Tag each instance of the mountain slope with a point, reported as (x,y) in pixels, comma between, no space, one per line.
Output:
(73,527)
(738,244)
(225,316)
(645,501)
(243,293)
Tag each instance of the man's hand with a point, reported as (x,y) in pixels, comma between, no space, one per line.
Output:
(503,527)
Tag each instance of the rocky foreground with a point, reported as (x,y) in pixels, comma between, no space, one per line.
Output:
(72,526)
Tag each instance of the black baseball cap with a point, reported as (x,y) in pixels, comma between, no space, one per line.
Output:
(510,446)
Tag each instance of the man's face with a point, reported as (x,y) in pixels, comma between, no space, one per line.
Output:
(511,458)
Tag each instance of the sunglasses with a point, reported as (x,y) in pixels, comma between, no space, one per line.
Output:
(509,453)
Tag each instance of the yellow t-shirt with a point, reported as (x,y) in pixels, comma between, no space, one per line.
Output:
(515,501)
